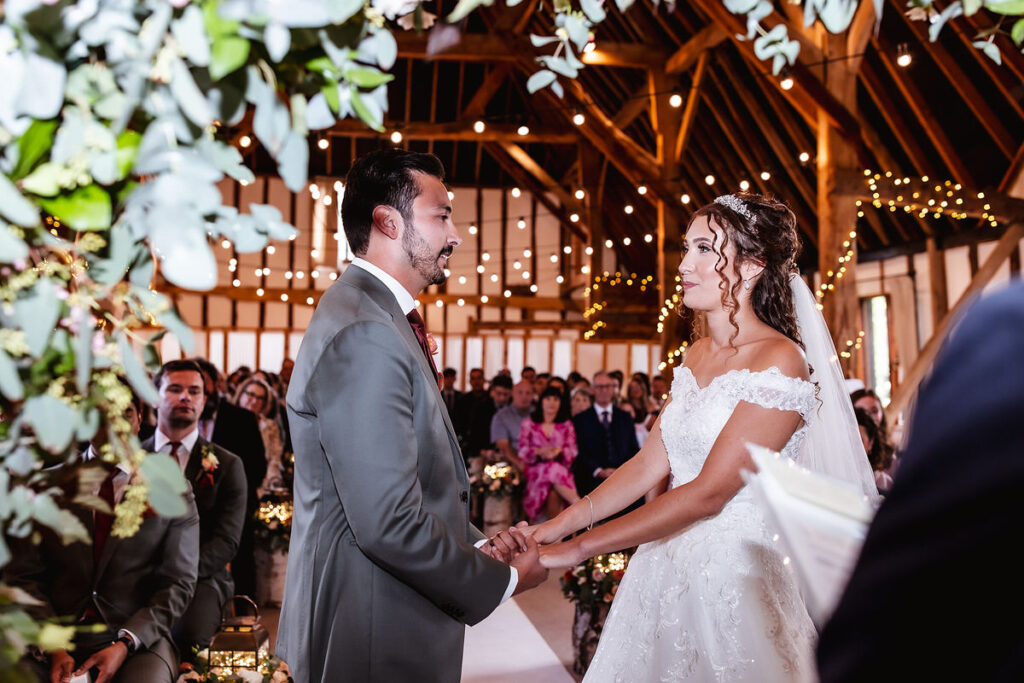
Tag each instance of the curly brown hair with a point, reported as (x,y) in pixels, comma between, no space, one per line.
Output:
(768,237)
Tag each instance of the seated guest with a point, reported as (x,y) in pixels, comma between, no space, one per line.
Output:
(581,399)
(507,421)
(868,401)
(640,406)
(449,393)
(659,390)
(605,436)
(877,456)
(218,482)
(528,374)
(560,384)
(483,413)
(256,396)
(236,430)
(467,405)
(547,446)
(125,593)
(540,382)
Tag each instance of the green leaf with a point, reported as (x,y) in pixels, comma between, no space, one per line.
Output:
(972,6)
(227,55)
(1018,32)
(1007,7)
(463,9)
(368,78)
(45,180)
(166,484)
(14,207)
(364,114)
(87,208)
(135,372)
(88,424)
(127,150)
(12,247)
(10,382)
(52,420)
(217,26)
(34,143)
(37,314)
(330,92)
(82,346)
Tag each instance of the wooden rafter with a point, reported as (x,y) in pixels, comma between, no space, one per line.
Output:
(690,111)
(924,116)
(454,130)
(975,101)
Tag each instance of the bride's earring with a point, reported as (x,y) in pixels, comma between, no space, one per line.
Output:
(746,284)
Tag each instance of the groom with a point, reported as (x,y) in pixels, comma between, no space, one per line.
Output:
(382,573)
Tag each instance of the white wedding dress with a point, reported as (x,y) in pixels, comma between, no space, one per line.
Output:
(715,601)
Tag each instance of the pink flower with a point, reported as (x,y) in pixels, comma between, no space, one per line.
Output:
(597,575)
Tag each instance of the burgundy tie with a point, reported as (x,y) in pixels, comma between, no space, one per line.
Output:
(101,528)
(175,445)
(416,321)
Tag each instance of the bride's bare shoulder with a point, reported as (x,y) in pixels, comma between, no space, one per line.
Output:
(783,353)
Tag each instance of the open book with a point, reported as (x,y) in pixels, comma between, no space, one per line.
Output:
(820,524)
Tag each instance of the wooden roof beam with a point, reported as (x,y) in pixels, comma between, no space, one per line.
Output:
(461,130)
(700,44)
(506,46)
(975,101)
(925,118)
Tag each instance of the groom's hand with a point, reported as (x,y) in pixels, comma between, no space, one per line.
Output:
(505,545)
(531,573)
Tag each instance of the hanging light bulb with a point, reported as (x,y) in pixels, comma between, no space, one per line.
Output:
(578,118)
(396,137)
(516,192)
(744,185)
(903,56)
(580,194)
(479,127)
(675,100)
(709,179)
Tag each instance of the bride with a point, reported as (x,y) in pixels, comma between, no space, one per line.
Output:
(707,596)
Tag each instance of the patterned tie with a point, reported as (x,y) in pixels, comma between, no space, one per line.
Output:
(420,330)
(175,445)
(104,521)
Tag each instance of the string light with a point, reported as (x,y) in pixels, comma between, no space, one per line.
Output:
(642,190)
(244,141)
(396,137)
(580,194)
(709,179)
(523,130)
(322,143)
(479,127)
(903,56)
(675,100)
(516,192)
(744,185)
(578,118)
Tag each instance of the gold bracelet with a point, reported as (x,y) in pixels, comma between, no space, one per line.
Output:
(591,525)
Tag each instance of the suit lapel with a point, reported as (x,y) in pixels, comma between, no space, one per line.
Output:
(195,460)
(377,291)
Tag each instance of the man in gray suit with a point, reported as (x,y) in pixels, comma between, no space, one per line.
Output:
(217,478)
(126,593)
(382,573)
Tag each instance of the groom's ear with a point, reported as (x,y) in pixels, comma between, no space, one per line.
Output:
(388,221)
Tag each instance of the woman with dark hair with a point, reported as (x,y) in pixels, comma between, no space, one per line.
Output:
(878,456)
(638,403)
(708,596)
(547,446)
(868,401)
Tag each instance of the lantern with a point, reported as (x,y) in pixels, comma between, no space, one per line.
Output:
(241,642)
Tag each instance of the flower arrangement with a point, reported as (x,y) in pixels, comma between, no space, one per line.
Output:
(269,670)
(498,480)
(208,465)
(595,580)
(274,522)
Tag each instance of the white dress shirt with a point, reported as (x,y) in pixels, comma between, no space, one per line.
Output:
(407,303)
(162,444)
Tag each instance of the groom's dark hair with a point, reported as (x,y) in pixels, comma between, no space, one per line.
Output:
(384,177)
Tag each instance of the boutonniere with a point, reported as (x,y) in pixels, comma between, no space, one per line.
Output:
(431,344)
(208,465)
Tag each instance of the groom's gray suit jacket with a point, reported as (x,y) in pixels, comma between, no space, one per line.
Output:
(382,573)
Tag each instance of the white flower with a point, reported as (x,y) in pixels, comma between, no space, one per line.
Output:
(394,8)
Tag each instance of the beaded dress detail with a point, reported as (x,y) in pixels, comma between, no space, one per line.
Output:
(713,602)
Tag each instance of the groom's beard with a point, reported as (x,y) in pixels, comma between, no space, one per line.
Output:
(420,257)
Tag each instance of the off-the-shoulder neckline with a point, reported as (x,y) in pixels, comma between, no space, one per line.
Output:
(769,370)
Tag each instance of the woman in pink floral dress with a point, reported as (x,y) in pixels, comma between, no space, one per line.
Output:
(547,446)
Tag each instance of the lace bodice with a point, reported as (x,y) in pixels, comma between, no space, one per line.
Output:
(691,423)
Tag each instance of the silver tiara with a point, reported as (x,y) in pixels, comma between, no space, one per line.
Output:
(736,204)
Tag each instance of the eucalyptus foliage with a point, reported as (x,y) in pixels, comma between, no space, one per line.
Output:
(111,114)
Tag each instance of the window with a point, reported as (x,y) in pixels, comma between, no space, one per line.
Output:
(876,317)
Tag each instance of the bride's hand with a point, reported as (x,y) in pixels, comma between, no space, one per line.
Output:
(544,533)
(561,555)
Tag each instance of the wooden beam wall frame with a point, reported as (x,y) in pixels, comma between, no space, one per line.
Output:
(690,112)
(903,393)
(592,178)
(476,325)
(924,116)
(969,93)
(513,167)
(459,131)
(703,41)
(939,292)
(502,46)
(530,165)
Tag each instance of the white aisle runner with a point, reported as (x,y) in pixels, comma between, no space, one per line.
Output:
(506,648)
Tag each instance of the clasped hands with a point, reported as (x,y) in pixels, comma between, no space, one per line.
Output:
(532,550)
